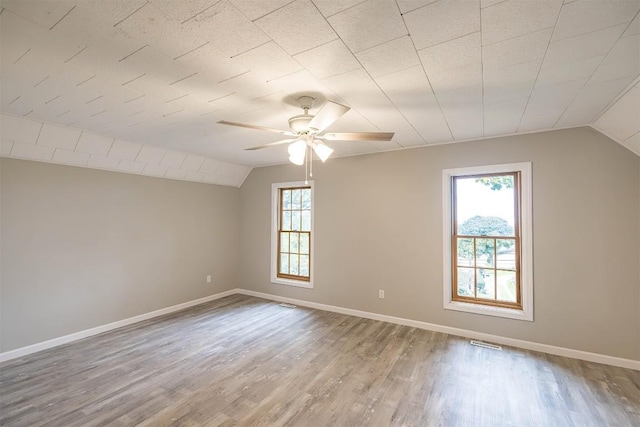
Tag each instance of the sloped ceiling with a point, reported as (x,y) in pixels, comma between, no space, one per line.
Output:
(161,73)
(621,122)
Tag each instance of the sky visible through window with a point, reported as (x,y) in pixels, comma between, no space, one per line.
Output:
(475,198)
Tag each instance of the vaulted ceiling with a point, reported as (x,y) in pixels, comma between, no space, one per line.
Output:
(161,73)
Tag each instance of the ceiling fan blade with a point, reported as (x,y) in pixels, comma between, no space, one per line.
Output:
(329,113)
(242,125)
(271,144)
(359,136)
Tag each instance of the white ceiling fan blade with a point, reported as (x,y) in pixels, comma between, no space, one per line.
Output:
(358,136)
(271,144)
(242,125)
(329,113)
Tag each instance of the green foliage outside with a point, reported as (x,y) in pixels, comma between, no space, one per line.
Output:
(484,226)
(497,182)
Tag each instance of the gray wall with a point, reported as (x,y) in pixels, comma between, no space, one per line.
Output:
(378,225)
(82,248)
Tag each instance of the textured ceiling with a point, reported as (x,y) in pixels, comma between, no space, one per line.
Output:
(162,72)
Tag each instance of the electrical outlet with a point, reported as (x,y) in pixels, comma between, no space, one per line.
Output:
(381,293)
(209,279)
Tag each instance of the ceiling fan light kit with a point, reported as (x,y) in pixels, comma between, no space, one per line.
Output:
(306,130)
(322,150)
(297,152)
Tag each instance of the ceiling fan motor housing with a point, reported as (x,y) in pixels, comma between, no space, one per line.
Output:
(300,124)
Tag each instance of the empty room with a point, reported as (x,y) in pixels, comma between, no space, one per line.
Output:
(320,213)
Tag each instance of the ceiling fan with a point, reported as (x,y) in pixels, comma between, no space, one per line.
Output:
(307,131)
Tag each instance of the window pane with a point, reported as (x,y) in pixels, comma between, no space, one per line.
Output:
(295,220)
(465,252)
(286,199)
(304,243)
(465,282)
(284,242)
(306,221)
(506,256)
(485,252)
(304,265)
(295,199)
(306,198)
(286,220)
(485,206)
(486,283)
(293,264)
(507,286)
(284,263)
(293,241)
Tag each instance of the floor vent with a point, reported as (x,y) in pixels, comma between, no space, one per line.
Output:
(485,345)
(284,304)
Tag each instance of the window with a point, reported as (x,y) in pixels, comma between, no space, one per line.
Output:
(292,232)
(487,240)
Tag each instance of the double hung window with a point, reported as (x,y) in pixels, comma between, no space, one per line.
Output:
(488,240)
(292,234)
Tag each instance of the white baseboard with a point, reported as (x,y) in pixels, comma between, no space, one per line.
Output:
(528,345)
(23,351)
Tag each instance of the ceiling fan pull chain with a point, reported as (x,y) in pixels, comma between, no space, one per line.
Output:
(310,162)
(306,168)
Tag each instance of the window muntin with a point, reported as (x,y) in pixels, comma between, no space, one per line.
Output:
(294,233)
(486,239)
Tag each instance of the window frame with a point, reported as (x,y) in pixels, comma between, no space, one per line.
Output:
(276,214)
(524,253)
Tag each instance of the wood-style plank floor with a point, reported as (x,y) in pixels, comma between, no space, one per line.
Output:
(244,361)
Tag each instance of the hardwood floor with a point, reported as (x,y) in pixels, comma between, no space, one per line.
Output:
(243,361)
